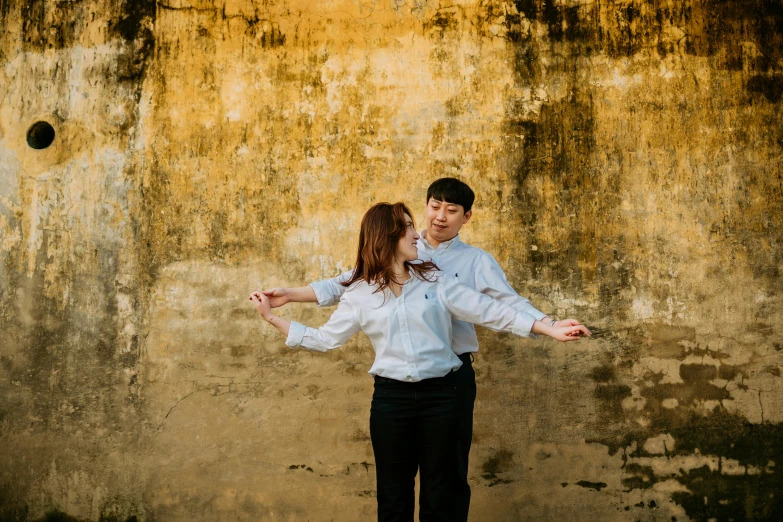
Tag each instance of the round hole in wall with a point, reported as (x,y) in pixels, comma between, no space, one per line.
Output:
(40,135)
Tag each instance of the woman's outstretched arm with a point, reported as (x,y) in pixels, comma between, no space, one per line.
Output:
(264,307)
(466,304)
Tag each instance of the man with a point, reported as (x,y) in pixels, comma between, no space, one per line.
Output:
(448,209)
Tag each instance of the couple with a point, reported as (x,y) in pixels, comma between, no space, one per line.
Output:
(417,297)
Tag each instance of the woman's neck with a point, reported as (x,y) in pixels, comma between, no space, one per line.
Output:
(401,275)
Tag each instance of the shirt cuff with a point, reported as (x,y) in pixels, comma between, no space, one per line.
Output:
(537,314)
(523,324)
(296,333)
(322,293)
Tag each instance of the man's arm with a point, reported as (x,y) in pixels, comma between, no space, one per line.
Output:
(281,296)
(325,293)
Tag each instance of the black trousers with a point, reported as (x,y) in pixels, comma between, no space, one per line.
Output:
(465,379)
(412,427)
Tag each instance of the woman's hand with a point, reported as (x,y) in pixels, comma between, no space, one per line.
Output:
(263,305)
(569,333)
(563,333)
(567,322)
(277,296)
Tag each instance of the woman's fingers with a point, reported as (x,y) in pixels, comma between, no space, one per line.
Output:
(578,330)
(572,333)
(259,299)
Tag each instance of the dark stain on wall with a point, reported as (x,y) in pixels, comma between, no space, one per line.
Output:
(716,496)
(752,493)
(696,388)
(711,27)
(756,494)
(267,32)
(56,515)
(611,397)
(603,374)
(725,27)
(12,506)
(771,87)
(70,351)
(134,24)
(442,21)
(133,21)
(597,486)
(639,477)
(60,25)
(558,146)
(50,25)
(496,465)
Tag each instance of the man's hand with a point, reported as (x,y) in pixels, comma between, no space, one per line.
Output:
(278,296)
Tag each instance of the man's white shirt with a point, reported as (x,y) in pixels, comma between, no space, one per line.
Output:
(412,333)
(471,266)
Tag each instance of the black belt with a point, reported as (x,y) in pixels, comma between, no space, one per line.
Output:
(466,357)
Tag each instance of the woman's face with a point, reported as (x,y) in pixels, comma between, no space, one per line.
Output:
(406,247)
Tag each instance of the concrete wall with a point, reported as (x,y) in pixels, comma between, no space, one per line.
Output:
(627,157)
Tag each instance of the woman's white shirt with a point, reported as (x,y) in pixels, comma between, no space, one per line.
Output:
(411,334)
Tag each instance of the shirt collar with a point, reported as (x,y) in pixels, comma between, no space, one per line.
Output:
(444,246)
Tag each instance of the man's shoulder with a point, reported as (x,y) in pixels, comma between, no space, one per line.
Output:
(466,250)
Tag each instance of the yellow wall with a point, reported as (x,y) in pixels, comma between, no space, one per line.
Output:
(627,162)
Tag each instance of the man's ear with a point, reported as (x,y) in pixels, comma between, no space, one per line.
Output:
(468,214)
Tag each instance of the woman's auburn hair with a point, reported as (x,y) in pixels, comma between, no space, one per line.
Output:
(382,227)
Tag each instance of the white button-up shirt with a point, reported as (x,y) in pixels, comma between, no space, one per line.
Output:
(411,334)
(471,266)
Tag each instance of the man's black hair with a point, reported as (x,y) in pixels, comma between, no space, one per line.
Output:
(452,190)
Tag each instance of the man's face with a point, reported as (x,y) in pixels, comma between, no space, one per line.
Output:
(444,220)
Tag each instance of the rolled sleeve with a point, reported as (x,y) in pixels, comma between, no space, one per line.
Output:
(329,291)
(523,323)
(296,333)
(323,293)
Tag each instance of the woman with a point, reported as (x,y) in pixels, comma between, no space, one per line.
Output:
(405,308)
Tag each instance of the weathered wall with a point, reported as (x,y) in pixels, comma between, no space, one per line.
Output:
(627,157)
